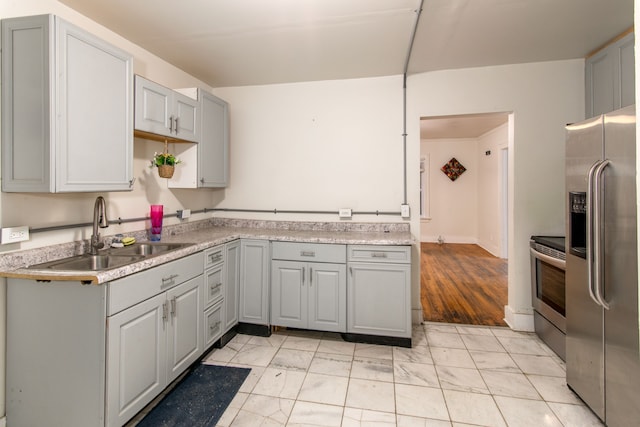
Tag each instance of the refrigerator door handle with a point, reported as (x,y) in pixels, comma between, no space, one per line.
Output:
(590,231)
(597,237)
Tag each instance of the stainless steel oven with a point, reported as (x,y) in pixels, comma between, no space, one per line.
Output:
(548,290)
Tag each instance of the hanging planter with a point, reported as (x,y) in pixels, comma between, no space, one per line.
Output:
(166,171)
(165,163)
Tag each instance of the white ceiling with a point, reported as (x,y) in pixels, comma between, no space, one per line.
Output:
(251,42)
(254,42)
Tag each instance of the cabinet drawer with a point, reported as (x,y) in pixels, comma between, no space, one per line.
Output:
(213,285)
(373,253)
(138,287)
(313,252)
(213,256)
(213,324)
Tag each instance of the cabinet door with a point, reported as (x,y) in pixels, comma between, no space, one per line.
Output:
(289,293)
(185,118)
(214,284)
(213,150)
(153,107)
(610,77)
(254,282)
(213,324)
(379,299)
(66,104)
(95,104)
(27,102)
(136,358)
(184,339)
(327,297)
(232,284)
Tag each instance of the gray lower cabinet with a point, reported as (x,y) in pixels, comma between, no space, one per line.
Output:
(232,284)
(309,295)
(379,290)
(215,289)
(94,355)
(254,282)
(67,101)
(149,345)
(222,277)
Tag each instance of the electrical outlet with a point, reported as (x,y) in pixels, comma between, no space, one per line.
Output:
(404,211)
(14,234)
(344,213)
(184,213)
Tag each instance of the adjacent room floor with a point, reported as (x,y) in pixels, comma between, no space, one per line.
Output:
(454,375)
(462,283)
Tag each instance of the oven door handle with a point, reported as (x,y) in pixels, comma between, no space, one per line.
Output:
(559,263)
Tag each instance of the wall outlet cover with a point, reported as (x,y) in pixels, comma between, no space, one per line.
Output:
(14,234)
(184,213)
(405,211)
(344,213)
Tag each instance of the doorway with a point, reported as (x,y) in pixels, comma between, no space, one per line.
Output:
(464,217)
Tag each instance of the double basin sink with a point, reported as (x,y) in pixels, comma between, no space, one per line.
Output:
(111,258)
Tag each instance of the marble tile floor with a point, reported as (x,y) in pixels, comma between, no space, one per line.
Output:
(454,376)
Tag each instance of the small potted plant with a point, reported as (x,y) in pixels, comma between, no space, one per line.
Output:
(165,163)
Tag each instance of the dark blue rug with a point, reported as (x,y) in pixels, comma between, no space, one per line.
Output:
(199,400)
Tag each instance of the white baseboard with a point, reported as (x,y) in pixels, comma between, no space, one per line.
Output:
(519,321)
(3,422)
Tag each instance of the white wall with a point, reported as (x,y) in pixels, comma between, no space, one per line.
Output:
(489,213)
(317,146)
(543,98)
(454,204)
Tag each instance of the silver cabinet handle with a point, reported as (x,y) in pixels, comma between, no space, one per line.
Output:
(171,124)
(170,280)
(213,289)
(176,125)
(165,310)
(302,283)
(378,254)
(215,257)
(173,307)
(310,276)
(307,253)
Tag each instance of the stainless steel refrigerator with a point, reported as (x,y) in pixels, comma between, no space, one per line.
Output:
(603,357)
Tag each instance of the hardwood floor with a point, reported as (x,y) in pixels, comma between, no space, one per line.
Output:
(462,283)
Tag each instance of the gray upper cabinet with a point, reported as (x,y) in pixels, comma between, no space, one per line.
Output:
(164,112)
(67,109)
(207,164)
(610,77)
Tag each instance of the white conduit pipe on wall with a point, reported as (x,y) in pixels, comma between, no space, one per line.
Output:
(404,95)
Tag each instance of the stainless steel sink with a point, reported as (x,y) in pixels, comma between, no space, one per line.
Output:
(111,258)
(147,249)
(89,262)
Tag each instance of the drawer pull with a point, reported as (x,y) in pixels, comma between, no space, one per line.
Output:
(307,253)
(169,280)
(215,257)
(165,310)
(215,326)
(378,254)
(214,289)
(173,307)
